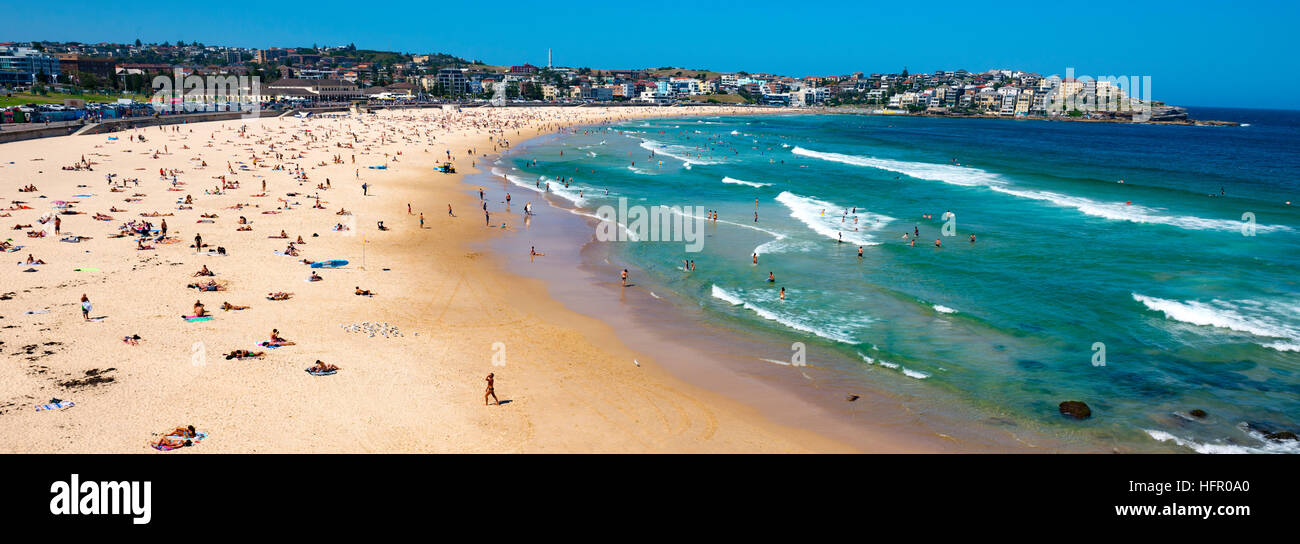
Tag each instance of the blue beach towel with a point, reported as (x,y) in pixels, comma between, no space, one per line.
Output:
(56,406)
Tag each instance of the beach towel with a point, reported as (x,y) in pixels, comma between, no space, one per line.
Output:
(85,270)
(15,248)
(325,373)
(329,264)
(56,406)
(283,254)
(193,318)
(269,345)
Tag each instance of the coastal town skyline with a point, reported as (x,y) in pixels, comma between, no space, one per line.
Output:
(45,72)
(1192,70)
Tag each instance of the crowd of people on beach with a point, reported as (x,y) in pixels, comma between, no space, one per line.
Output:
(265,158)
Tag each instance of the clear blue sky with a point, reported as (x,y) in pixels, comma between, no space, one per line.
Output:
(1198,52)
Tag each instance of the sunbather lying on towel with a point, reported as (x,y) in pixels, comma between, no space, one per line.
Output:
(244,354)
(211,285)
(320,366)
(229,306)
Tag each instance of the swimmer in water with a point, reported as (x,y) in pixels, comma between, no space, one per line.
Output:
(782,293)
(771,278)
(860,251)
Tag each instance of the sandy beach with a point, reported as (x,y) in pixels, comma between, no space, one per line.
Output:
(412,358)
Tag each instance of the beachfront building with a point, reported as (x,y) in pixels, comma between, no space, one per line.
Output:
(23,67)
(1007,103)
(74,65)
(316,90)
(453,81)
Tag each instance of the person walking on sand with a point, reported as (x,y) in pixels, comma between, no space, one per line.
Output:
(491,391)
(85,307)
(365,189)
(624,277)
(421,219)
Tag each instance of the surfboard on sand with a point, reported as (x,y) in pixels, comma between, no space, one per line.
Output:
(192,318)
(329,264)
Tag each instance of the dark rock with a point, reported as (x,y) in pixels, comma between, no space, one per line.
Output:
(1282,435)
(1198,413)
(1075,409)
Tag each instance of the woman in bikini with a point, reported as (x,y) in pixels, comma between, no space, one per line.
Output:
(491,391)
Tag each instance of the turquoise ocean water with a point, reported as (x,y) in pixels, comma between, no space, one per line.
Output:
(1173,290)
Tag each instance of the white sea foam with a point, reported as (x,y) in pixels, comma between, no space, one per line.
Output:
(777,237)
(944,309)
(723,294)
(1260,319)
(743,182)
(809,212)
(1265,445)
(789,321)
(688,155)
(974,177)
(915,374)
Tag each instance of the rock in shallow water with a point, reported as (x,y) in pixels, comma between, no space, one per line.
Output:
(1075,409)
